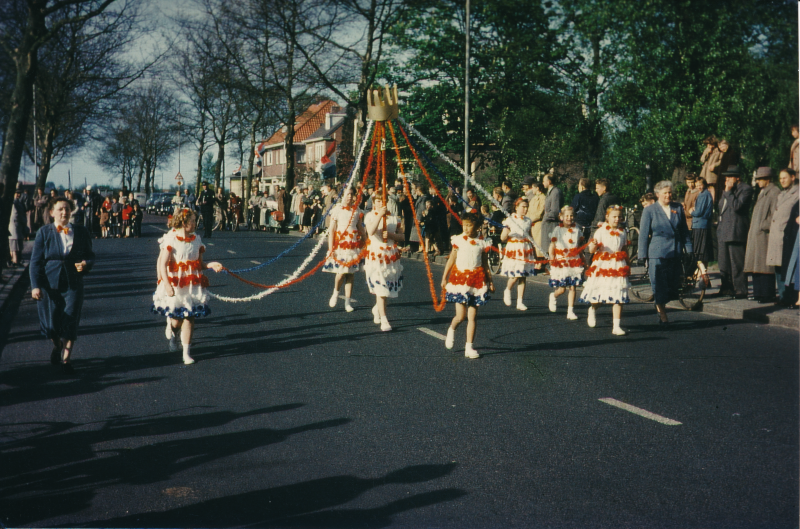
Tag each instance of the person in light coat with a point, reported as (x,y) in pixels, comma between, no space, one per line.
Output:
(552,209)
(786,199)
(755,259)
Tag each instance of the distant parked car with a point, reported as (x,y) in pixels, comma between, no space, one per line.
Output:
(153,201)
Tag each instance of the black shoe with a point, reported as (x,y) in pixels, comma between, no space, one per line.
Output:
(740,296)
(66,368)
(55,355)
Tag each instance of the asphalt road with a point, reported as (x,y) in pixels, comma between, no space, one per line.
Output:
(297,415)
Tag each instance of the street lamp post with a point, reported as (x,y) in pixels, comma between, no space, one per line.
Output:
(466,108)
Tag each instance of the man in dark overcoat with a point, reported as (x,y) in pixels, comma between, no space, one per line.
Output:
(734,207)
(206,203)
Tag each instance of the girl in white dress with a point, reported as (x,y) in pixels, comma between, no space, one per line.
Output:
(566,264)
(382,263)
(345,240)
(181,292)
(607,279)
(467,280)
(518,254)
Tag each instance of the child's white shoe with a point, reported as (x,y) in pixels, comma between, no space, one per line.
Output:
(187,360)
(552,305)
(571,314)
(618,331)
(174,344)
(385,325)
(469,352)
(334,298)
(168,332)
(591,321)
(376,317)
(521,305)
(507,297)
(347,306)
(451,337)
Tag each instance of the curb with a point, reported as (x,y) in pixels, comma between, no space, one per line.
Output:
(734,309)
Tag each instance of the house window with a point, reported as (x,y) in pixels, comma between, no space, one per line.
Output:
(320,148)
(301,155)
(269,158)
(283,157)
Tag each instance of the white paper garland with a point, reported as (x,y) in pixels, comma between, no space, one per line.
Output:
(316,249)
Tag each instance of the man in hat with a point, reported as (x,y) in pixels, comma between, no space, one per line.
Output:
(755,259)
(509,196)
(206,203)
(734,205)
(690,197)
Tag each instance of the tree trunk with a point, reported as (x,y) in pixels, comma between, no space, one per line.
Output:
(289,143)
(147,181)
(21,102)
(218,166)
(250,162)
(139,179)
(46,161)
(594,129)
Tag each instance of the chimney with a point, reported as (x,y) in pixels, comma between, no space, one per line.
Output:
(327,121)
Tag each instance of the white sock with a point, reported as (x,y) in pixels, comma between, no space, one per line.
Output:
(186,358)
(616,323)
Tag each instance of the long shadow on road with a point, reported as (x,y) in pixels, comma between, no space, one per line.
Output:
(306,504)
(55,475)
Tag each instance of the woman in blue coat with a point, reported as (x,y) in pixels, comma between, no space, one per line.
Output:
(663,236)
(62,254)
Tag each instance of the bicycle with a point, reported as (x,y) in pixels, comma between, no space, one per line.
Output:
(691,291)
(495,254)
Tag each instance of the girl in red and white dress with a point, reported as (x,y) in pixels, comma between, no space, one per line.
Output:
(345,240)
(181,293)
(467,280)
(566,265)
(607,279)
(518,254)
(382,263)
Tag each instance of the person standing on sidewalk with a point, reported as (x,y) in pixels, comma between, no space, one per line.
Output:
(780,220)
(734,206)
(552,209)
(206,203)
(17,226)
(755,259)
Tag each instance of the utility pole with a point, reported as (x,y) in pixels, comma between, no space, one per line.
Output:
(35,149)
(466,108)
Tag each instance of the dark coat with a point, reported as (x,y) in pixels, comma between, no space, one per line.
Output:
(607,200)
(585,206)
(661,237)
(61,284)
(734,207)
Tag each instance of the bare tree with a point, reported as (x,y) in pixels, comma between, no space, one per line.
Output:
(44,19)
(80,71)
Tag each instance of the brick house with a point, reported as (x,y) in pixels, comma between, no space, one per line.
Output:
(315,129)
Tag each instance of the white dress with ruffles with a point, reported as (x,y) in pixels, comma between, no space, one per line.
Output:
(346,239)
(467,280)
(566,265)
(382,263)
(518,253)
(607,278)
(186,277)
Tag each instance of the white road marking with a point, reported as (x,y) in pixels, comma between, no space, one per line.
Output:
(255,262)
(231,251)
(351,299)
(432,333)
(640,412)
(210,243)
(160,229)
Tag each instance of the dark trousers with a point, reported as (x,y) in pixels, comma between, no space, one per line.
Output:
(763,286)
(208,221)
(731,267)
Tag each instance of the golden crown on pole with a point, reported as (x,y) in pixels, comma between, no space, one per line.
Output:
(382,103)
